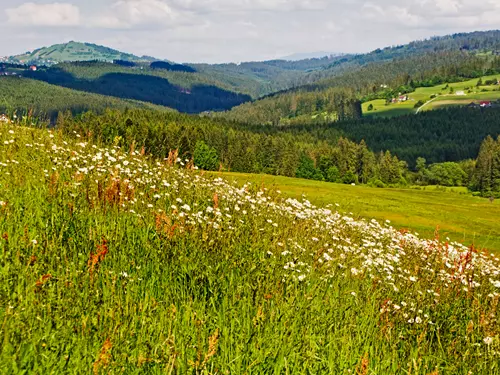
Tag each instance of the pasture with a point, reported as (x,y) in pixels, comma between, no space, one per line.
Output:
(443,95)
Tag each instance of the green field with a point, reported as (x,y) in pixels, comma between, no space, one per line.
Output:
(459,216)
(443,98)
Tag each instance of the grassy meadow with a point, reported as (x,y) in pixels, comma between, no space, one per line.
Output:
(455,213)
(112,262)
(443,98)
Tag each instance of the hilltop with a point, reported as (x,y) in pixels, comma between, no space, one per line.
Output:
(75,51)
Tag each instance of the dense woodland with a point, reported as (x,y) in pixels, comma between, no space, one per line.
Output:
(156,86)
(42,100)
(328,106)
(216,145)
(486,177)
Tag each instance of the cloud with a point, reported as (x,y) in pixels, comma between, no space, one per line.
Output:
(130,13)
(241,30)
(55,14)
(433,14)
(223,6)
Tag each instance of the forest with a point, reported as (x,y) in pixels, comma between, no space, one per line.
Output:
(26,96)
(157,86)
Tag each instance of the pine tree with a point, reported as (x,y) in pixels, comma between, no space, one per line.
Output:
(483,176)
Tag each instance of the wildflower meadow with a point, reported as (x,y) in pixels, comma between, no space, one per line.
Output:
(113,262)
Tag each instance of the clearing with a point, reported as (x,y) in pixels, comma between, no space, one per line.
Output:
(442,95)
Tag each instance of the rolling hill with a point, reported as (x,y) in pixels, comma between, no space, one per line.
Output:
(477,90)
(20,95)
(183,91)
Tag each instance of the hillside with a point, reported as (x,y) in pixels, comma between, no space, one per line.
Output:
(183,91)
(420,209)
(22,96)
(116,262)
(253,78)
(477,90)
(263,78)
(380,74)
(74,51)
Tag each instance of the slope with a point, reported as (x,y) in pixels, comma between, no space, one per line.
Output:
(183,91)
(113,262)
(379,74)
(24,96)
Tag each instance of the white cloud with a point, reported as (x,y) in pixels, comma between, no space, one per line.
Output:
(240,30)
(55,14)
(212,6)
(130,13)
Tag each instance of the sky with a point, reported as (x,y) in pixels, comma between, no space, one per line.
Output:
(237,30)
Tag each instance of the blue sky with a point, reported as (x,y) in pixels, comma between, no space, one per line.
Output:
(237,30)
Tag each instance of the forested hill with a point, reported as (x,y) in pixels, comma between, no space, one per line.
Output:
(44,101)
(479,42)
(184,91)
(319,90)
(263,78)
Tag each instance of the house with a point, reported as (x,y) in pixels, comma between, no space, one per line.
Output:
(460,93)
(33,68)
(485,104)
(403,98)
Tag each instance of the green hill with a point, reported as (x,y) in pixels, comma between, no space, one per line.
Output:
(23,95)
(75,51)
(377,75)
(183,91)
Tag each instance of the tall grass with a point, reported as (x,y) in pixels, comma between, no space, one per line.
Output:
(112,262)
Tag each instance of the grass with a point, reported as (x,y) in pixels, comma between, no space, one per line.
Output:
(443,98)
(458,215)
(112,262)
